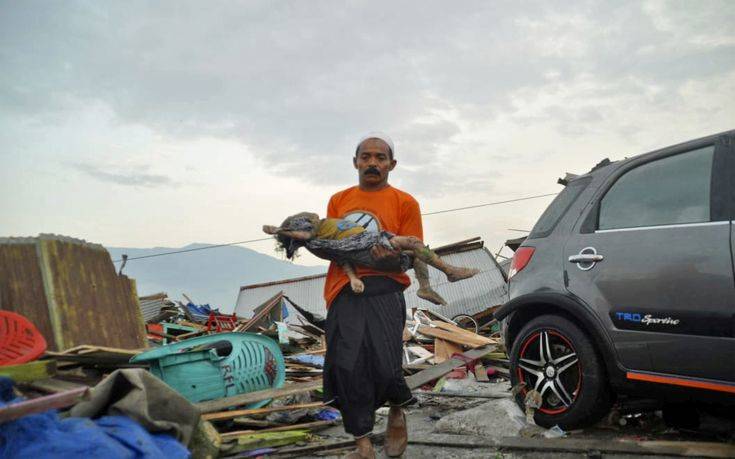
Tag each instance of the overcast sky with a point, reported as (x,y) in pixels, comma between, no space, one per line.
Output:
(146,124)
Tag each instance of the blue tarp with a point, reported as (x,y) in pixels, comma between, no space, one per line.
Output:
(46,435)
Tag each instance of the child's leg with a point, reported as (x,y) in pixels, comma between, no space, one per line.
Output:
(355,283)
(425,254)
(425,291)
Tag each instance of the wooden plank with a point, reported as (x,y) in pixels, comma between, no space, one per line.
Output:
(444,350)
(458,338)
(461,394)
(305,426)
(461,331)
(31,371)
(273,409)
(252,397)
(301,451)
(317,351)
(423,355)
(265,309)
(260,440)
(422,377)
(54,386)
(41,404)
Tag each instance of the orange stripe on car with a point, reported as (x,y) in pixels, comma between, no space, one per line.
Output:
(681,382)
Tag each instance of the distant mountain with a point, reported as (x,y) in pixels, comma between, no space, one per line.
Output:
(211,276)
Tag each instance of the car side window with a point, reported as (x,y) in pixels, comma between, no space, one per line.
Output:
(672,190)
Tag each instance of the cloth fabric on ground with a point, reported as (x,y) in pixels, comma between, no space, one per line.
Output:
(45,435)
(136,393)
(362,368)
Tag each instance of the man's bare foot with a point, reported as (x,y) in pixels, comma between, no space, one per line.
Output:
(455,274)
(364,449)
(357,285)
(429,294)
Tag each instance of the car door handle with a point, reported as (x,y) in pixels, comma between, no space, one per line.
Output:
(586,258)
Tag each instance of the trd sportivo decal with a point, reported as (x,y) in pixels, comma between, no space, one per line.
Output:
(702,323)
(648,319)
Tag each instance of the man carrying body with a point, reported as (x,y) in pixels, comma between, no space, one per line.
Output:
(364,331)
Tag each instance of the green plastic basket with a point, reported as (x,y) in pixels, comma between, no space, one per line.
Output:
(217,366)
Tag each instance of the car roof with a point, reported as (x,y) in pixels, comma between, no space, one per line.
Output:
(688,145)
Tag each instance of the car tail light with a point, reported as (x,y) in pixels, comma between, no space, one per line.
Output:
(520,260)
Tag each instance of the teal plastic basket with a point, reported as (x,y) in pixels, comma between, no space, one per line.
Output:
(217,366)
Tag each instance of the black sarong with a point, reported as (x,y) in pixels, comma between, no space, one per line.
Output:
(363,365)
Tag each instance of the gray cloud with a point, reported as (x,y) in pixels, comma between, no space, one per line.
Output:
(298,82)
(138,178)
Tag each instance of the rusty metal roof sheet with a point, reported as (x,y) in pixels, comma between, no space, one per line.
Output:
(70,290)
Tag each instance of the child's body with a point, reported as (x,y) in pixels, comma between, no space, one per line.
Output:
(348,244)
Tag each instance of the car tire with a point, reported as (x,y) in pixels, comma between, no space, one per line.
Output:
(573,387)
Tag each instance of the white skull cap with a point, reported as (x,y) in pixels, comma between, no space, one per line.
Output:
(378,135)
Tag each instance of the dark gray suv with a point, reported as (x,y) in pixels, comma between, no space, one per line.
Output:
(625,285)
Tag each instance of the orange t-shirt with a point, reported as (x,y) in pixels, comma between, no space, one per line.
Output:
(389,209)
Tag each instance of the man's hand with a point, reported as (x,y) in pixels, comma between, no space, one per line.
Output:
(385,258)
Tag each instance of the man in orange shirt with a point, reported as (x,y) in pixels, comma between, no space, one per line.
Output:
(363,364)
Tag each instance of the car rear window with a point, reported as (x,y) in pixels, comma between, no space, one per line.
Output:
(558,207)
(668,191)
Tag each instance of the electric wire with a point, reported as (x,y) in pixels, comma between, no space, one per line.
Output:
(456,209)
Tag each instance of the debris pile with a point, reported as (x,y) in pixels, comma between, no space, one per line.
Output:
(168,378)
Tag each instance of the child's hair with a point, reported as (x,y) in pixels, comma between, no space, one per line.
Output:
(286,244)
(298,222)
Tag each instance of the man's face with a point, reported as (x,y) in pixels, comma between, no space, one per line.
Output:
(373,162)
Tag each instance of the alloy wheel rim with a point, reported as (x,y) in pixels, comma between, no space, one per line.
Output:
(548,363)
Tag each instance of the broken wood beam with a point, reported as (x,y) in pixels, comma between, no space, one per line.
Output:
(425,376)
(305,426)
(223,415)
(455,337)
(444,350)
(301,451)
(461,394)
(221,404)
(41,404)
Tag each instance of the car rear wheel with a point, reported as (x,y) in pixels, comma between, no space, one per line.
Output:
(555,357)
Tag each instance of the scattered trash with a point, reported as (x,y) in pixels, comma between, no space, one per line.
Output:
(555,432)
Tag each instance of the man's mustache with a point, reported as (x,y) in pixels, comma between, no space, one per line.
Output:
(371,171)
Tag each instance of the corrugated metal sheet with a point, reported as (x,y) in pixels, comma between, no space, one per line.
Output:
(21,283)
(78,298)
(306,292)
(150,306)
(469,296)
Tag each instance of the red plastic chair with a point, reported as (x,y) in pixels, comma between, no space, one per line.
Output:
(20,340)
